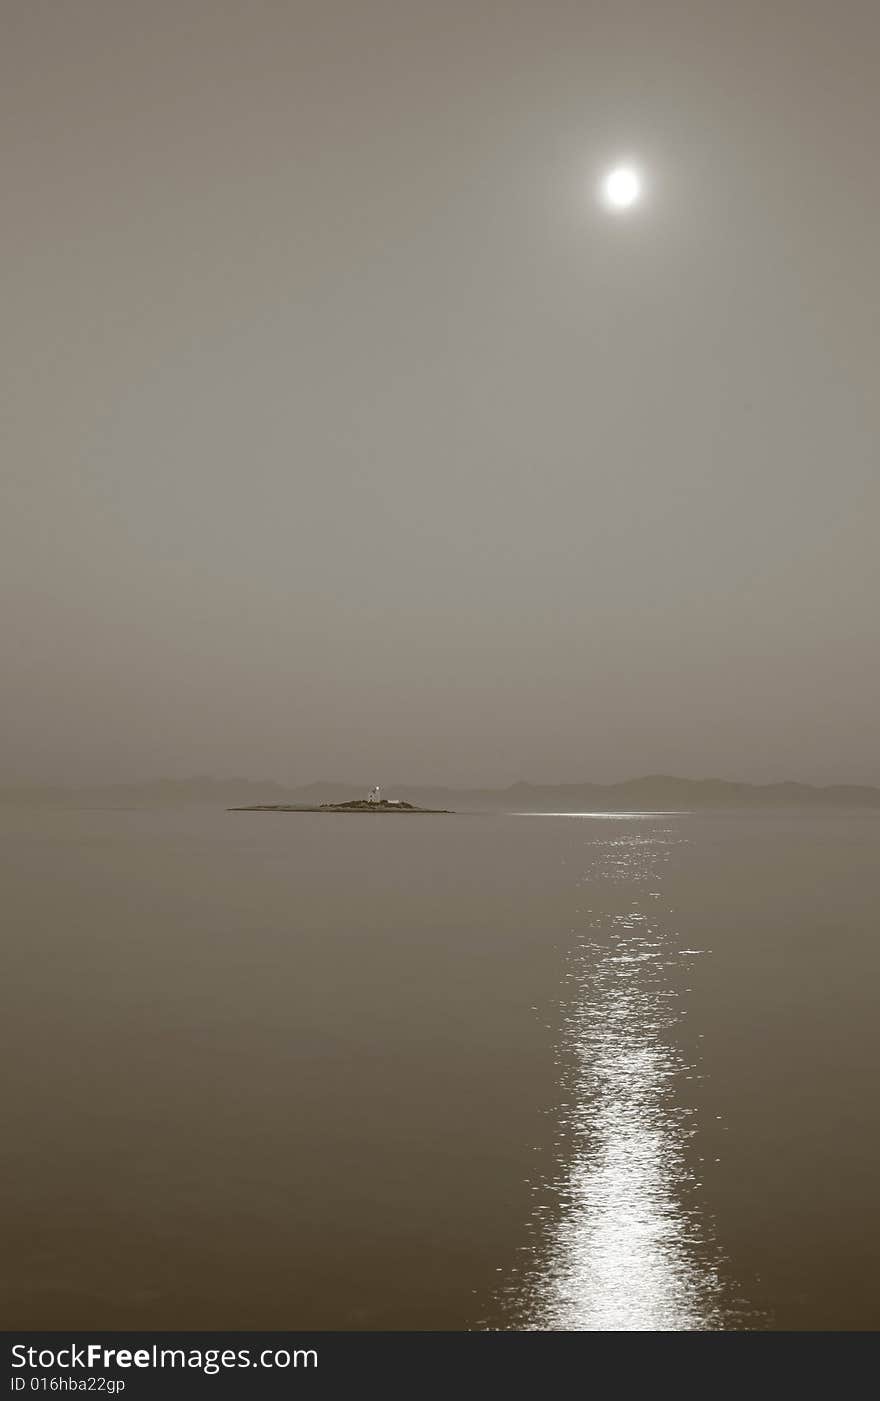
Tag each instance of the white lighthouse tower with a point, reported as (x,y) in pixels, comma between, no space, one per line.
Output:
(375,795)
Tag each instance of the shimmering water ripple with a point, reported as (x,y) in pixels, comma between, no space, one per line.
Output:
(626,1245)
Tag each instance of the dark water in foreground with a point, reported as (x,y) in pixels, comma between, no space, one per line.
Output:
(284,1071)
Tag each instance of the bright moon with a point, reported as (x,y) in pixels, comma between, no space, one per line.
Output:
(621,187)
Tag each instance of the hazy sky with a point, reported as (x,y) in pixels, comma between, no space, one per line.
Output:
(345,436)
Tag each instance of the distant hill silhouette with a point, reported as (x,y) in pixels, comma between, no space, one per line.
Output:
(655,792)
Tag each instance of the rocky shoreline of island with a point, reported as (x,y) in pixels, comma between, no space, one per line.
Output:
(357,805)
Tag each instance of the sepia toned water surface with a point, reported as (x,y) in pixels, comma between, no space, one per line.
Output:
(587,1072)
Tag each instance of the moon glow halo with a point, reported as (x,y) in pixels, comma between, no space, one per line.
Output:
(621,188)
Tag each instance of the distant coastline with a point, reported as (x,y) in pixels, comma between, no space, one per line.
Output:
(657,792)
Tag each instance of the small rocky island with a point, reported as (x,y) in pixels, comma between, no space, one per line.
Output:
(371,804)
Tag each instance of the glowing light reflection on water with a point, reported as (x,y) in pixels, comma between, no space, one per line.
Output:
(627,1247)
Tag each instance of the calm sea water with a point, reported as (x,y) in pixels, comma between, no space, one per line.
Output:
(532,1072)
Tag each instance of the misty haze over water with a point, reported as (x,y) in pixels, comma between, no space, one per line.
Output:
(353,435)
(476,1071)
(657,792)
